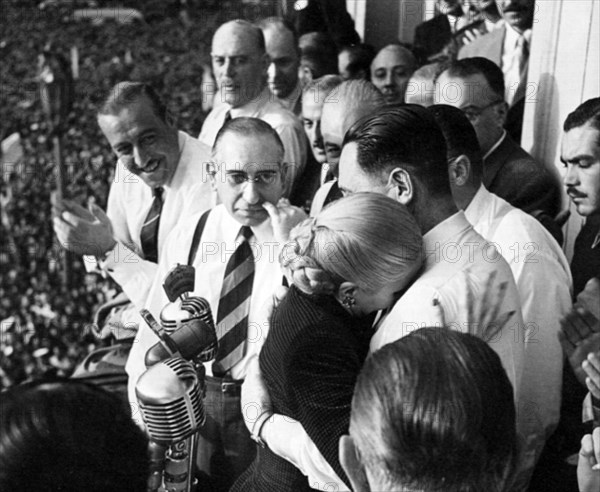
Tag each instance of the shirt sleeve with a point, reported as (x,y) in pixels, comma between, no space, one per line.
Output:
(288,439)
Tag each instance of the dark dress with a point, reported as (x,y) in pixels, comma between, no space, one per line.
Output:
(310,362)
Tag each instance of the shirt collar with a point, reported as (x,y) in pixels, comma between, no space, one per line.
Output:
(478,205)
(512,37)
(252,107)
(290,101)
(443,233)
(596,242)
(496,145)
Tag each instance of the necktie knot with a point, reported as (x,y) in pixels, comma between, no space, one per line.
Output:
(157,192)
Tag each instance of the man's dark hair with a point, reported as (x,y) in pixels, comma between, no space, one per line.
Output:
(459,134)
(69,436)
(126,93)
(361,56)
(478,65)
(248,127)
(586,113)
(404,136)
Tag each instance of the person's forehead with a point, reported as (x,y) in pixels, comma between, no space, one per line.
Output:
(391,57)
(135,117)
(462,91)
(238,151)
(580,141)
(234,40)
(312,109)
(279,42)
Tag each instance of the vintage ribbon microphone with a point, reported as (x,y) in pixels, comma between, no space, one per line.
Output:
(170,391)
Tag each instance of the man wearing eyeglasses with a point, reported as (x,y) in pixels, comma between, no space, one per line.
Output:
(240,64)
(476,86)
(249,224)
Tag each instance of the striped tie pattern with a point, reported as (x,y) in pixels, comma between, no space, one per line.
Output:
(234,305)
(149,233)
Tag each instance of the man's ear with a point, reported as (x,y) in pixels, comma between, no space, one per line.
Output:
(210,168)
(459,170)
(502,113)
(351,464)
(265,61)
(402,184)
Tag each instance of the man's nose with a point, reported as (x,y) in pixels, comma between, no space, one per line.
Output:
(317,135)
(139,156)
(571,176)
(389,79)
(272,71)
(251,194)
(229,68)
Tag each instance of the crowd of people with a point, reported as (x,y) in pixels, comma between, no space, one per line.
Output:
(383,217)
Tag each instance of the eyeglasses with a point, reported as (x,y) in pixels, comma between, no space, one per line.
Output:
(473,112)
(263,178)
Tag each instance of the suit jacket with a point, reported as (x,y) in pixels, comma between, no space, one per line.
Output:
(431,37)
(512,174)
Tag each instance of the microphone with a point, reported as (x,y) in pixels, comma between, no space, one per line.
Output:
(170,398)
(187,328)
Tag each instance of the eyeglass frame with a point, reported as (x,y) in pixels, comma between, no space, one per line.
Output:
(480,110)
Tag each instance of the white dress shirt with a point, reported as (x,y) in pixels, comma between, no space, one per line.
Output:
(189,192)
(457,257)
(544,282)
(514,64)
(267,108)
(217,246)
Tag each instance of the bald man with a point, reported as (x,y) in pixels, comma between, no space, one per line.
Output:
(391,70)
(240,64)
(284,56)
(346,104)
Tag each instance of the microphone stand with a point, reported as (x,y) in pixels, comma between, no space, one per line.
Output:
(56,94)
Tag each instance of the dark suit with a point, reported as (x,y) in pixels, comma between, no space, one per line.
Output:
(490,46)
(512,174)
(431,37)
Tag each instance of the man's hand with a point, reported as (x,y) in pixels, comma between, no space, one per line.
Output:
(588,468)
(284,216)
(579,336)
(591,367)
(85,232)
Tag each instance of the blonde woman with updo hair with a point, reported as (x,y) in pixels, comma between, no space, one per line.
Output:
(355,258)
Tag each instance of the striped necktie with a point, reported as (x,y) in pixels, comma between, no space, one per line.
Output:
(149,233)
(234,305)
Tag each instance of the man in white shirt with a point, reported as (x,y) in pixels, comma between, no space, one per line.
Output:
(248,175)
(282,47)
(459,262)
(240,65)
(539,266)
(508,46)
(153,157)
